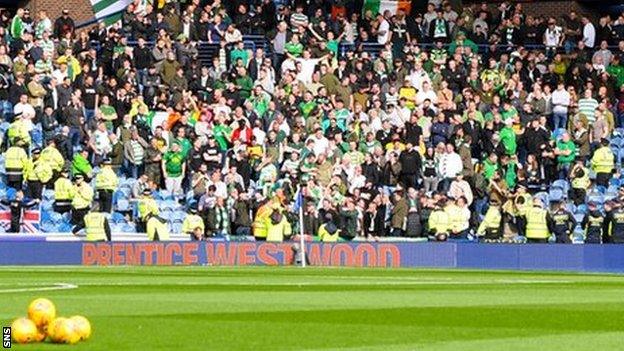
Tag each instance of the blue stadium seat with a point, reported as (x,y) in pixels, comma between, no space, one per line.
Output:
(543,196)
(582,208)
(128,227)
(123,205)
(570,207)
(579,217)
(601,189)
(556,194)
(117,217)
(597,198)
(614,182)
(561,184)
(48,194)
(179,216)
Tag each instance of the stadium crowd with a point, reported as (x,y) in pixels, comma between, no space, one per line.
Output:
(468,123)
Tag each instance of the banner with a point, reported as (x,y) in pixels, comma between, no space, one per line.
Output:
(103,9)
(30,219)
(381,6)
(580,258)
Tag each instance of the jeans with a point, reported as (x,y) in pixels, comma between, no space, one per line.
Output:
(174,185)
(560,120)
(131,170)
(89,115)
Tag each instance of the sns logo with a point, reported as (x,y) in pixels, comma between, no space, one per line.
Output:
(6,337)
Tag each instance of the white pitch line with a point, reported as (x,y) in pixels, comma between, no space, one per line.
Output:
(336,283)
(47,287)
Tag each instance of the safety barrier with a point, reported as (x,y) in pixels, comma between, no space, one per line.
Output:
(586,258)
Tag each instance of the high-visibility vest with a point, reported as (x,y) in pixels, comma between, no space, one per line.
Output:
(157,230)
(94,226)
(259,224)
(18,129)
(53,157)
(15,160)
(276,232)
(83,196)
(39,171)
(603,160)
(147,206)
(63,189)
(583,182)
(191,222)
(439,221)
(326,237)
(106,179)
(457,222)
(536,226)
(491,221)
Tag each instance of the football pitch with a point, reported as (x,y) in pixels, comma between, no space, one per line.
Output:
(290,308)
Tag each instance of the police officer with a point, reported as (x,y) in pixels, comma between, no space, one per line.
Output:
(603,163)
(38,175)
(52,156)
(15,161)
(594,224)
(491,227)
(63,192)
(563,224)
(193,224)
(614,222)
(538,223)
(146,206)
(97,227)
(157,228)
(106,181)
(81,202)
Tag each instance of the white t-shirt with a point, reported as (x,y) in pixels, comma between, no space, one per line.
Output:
(384,30)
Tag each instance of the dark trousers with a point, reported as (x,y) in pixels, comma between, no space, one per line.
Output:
(62,207)
(602,179)
(577,195)
(141,226)
(537,241)
(34,189)
(105,200)
(15,224)
(78,215)
(15,181)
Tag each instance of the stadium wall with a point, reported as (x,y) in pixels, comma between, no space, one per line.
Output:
(582,258)
(79,10)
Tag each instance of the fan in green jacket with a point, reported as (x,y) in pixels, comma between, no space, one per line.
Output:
(81,165)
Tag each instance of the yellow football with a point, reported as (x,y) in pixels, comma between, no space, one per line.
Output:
(41,311)
(83,327)
(24,331)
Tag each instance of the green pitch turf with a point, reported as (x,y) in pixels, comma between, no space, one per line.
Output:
(205,308)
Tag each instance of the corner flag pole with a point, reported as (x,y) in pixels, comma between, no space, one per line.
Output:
(301,240)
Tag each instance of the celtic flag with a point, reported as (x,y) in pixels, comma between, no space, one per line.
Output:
(109,11)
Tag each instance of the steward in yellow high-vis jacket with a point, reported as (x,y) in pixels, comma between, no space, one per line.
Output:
(147,206)
(106,181)
(157,228)
(538,223)
(15,161)
(38,174)
(603,163)
(63,193)
(278,227)
(81,202)
(193,224)
(97,227)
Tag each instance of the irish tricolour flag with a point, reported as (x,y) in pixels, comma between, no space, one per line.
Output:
(109,10)
(380,6)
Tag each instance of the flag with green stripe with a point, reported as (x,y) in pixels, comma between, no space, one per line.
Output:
(380,6)
(109,11)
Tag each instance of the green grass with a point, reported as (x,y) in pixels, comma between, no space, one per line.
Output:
(207,308)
